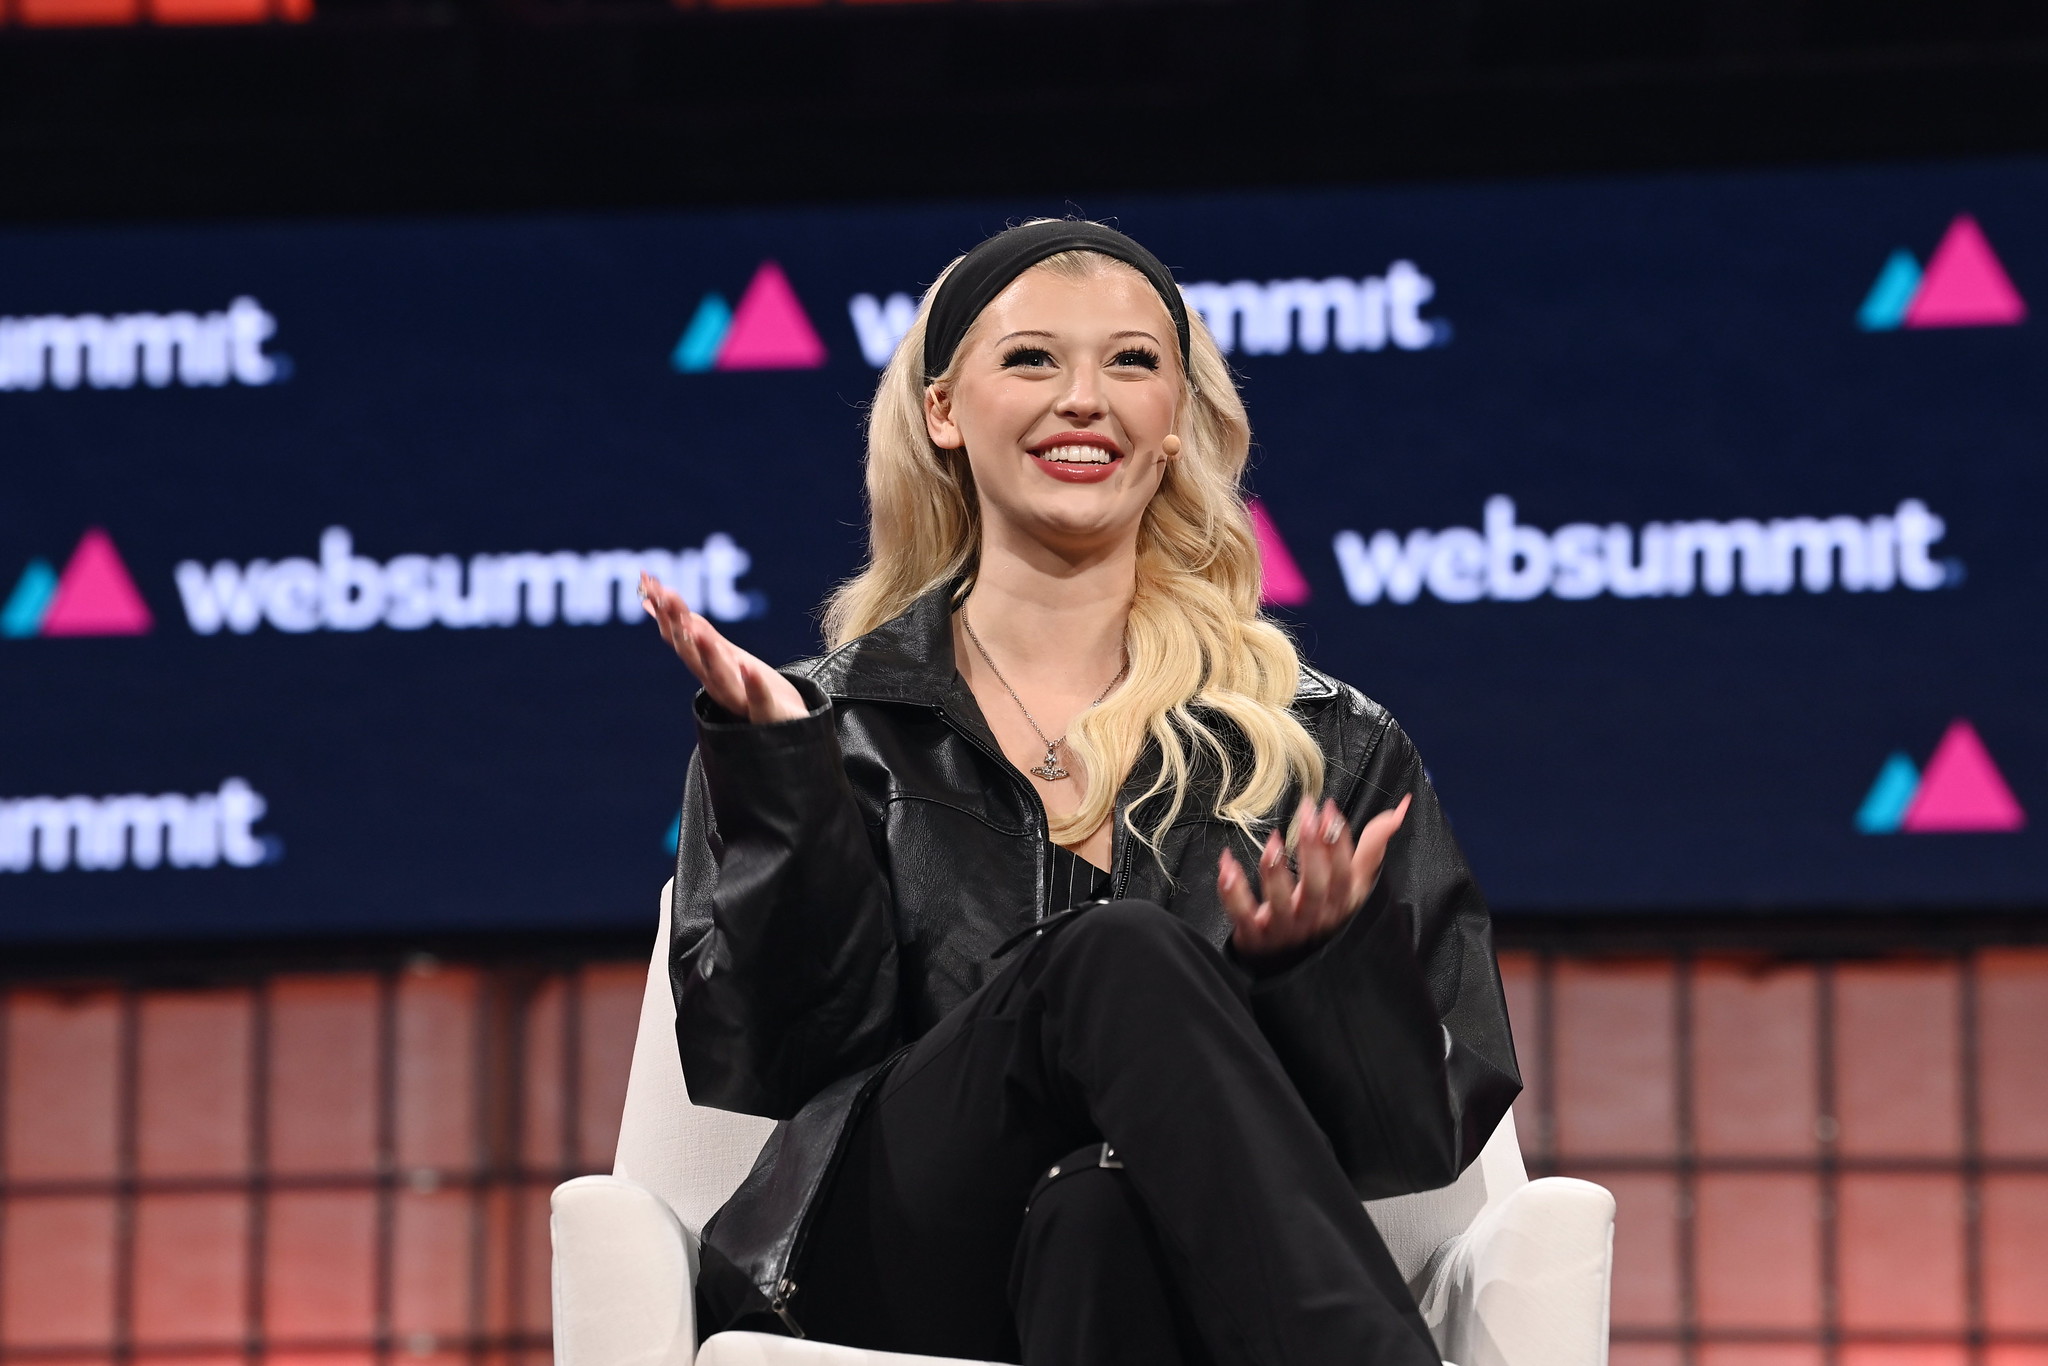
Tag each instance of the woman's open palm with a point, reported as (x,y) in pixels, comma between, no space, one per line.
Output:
(737,681)
(1310,902)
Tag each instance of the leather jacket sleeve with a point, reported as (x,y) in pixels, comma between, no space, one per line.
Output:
(784,952)
(1395,1029)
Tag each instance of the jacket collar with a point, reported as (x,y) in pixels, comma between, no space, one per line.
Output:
(909,658)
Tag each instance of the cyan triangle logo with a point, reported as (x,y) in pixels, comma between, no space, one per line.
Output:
(1964,285)
(769,330)
(94,596)
(1961,790)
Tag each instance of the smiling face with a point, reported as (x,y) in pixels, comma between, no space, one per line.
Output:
(1061,395)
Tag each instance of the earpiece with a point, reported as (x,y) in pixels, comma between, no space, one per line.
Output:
(1170,447)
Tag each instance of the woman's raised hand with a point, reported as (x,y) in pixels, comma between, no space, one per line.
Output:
(737,681)
(1310,902)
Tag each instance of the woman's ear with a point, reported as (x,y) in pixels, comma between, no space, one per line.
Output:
(938,419)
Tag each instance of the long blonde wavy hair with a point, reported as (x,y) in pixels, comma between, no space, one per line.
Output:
(1210,679)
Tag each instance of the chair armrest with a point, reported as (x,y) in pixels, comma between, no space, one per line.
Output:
(1527,1283)
(623,1269)
(763,1349)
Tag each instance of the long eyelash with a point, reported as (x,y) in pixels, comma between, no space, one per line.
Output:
(1018,354)
(1149,357)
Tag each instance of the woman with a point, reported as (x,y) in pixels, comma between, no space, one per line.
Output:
(970,901)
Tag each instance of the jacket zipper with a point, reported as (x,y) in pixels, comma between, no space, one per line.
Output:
(1119,835)
(785,1286)
(1044,825)
(1122,835)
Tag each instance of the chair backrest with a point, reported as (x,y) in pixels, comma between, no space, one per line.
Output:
(691,1156)
(694,1157)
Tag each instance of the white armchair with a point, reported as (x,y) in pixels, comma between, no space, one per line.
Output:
(1507,1271)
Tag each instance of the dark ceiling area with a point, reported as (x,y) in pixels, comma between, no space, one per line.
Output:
(480,105)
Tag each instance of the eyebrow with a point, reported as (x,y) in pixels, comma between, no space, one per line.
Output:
(1114,336)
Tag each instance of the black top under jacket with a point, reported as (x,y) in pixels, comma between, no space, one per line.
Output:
(844,880)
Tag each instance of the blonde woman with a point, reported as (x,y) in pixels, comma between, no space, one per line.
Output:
(1097,954)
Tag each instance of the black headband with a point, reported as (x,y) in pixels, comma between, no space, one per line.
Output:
(988,270)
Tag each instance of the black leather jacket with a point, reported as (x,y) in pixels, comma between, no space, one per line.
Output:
(844,880)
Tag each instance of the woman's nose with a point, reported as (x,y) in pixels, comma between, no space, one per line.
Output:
(1084,399)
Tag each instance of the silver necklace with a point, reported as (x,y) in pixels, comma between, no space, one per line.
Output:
(1050,770)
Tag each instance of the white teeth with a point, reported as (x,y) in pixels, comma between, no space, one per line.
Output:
(1077,455)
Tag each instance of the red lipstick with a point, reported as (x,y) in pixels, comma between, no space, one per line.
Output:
(1090,457)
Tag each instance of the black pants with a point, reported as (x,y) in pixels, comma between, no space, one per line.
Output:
(1229,1234)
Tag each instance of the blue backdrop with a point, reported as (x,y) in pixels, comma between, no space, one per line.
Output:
(1711,507)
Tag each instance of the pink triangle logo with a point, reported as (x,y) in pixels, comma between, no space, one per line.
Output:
(770,330)
(1283,584)
(1962,789)
(1964,285)
(95,596)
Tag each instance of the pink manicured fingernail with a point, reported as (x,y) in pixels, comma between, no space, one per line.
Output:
(1333,827)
